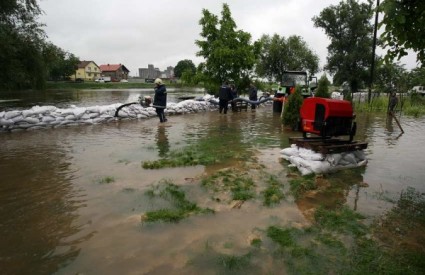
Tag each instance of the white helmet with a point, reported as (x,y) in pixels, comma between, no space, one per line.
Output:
(158,81)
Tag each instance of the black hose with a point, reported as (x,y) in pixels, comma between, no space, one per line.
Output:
(252,101)
(124,105)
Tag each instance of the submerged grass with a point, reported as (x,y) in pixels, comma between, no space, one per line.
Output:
(239,184)
(105,180)
(343,220)
(206,151)
(324,248)
(233,262)
(273,193)
(181,207)
(299,186)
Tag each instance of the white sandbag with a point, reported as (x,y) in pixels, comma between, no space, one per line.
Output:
(333,159)
(2,114)
(349,157)
(66,112)
(12,114)
(17,119)
(309,154)
(85,117)
(93,109)
(70,117)
(31,120)
(48,119)
(43,109)
(26,113)
(305,171)
(6,122)
(290,151)
(79,112)
(359,154)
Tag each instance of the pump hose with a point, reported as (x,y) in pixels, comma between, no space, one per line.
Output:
(124,105)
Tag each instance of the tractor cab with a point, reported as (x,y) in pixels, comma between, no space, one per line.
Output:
(290,79)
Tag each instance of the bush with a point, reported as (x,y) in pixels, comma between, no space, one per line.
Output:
(291,113)
(323,87)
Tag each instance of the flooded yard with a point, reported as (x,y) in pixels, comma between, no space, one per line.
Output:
(76,200)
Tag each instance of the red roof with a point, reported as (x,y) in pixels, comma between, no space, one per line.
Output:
(112,67)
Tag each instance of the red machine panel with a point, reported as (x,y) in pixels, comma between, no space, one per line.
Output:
(326,117)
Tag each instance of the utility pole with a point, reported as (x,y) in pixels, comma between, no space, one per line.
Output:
(372,66)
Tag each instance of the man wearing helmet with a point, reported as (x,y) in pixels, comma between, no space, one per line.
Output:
(160,99)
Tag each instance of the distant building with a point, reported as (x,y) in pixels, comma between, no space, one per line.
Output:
(117,72)
(86,70)
(151,72)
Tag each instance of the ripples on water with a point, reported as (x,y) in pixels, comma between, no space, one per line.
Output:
(56,215)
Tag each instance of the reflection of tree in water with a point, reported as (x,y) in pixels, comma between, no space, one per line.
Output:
(162,141)
(38,209)
(330,191)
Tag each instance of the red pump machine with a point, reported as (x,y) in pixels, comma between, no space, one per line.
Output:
(327,118)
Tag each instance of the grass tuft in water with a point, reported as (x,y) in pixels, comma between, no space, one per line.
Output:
(273,194)
(340,220)
(232,262)
(181,207)
(256,242)
(240,185)
(282,236)
(299,186)
(105,180)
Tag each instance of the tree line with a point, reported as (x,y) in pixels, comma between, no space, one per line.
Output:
(230,54)
(29,60)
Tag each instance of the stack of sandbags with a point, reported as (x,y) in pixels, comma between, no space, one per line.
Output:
(39,117)
(307,161)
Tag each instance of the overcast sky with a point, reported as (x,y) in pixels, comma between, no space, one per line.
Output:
(162,32)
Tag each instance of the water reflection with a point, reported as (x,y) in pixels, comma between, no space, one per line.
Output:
(38,206)
(332,191)
(390,121)
(162,141)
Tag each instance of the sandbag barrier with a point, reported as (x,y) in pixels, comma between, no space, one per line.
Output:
(307,161)
(42,117)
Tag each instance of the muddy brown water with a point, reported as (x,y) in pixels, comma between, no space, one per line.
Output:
(57,217)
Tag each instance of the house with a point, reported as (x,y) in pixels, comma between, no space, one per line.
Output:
(86,70)
(117,72)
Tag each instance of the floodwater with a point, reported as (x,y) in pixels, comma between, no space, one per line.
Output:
(58,216)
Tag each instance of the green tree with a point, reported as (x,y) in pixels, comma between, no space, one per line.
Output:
(228,53)
(323,87)
(279,54)
(417,77)
(184,65)
(404,28)
(350,31)
(59,63)
(291,112)
(391,77)
(21,42)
